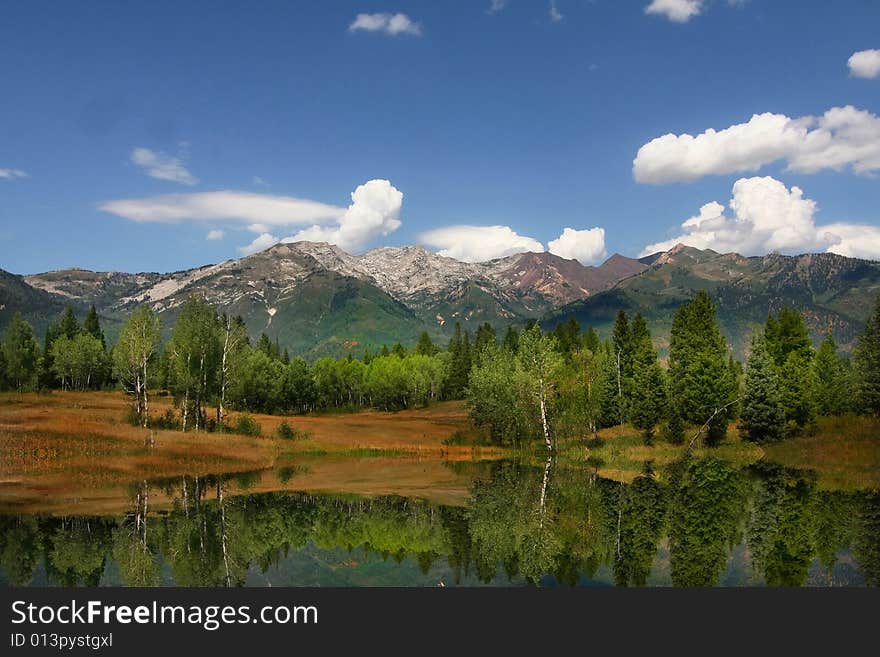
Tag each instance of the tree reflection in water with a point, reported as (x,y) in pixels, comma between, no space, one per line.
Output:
(677,525)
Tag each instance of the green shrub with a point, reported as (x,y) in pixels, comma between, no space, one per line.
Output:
(247,426)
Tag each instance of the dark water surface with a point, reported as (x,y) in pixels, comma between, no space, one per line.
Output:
(696,523)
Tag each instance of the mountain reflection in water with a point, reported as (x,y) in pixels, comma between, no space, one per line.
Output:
(695,523)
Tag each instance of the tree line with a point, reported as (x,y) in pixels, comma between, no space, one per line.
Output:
(210,367)
(570,384)
(528,385)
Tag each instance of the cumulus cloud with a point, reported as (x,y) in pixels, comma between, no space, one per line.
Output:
(227,205)
(495,6)
(11,174)
(767,216)
(854,240)
(214,235)
(374,211)
(678,11)
(555,14)
(842,137)
(586,246)
(390,24)
(479,243)
(162,166)
(864,64)
(260,243)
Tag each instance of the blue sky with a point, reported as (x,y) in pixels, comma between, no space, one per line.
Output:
(517,118)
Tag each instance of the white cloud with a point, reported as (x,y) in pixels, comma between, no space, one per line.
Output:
(227,205)
(261,243)
(495,6)
(767,216)
(214,235)
(257,180)
(854,240)
(586,246)
(162,166)
(678,11)
(10,174)
(374,211)
(864,64)
(555,14)
(842,137)
(391,24)
(479,243)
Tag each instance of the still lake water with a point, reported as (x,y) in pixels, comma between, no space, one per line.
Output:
(696,523)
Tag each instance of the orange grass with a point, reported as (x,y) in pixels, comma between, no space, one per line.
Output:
(64,450)
(845,452)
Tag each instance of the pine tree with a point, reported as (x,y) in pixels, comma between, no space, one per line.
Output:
(591,340)
(702,384)
(511,339)
(68,325)
(791,349)
(459,363)
(796,387)
(831,379)
(787,333)
(762,416)
(484,337)
(648,404)
(866,365)
(92,326)
(425,346)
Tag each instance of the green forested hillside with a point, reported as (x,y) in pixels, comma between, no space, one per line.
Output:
(833,292)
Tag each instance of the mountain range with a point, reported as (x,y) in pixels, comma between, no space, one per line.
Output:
(316,299)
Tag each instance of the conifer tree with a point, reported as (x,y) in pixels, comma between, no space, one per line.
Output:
(703,387)
(831,379)
(425,346)
(68,325)
(591,340)
(762,416)
(648,404)
(511,339)
(92,326)
(789,345)
(785,334)
(485,336)
(866,365)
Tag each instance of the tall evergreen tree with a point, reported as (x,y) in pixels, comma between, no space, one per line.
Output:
(786,333)
(591,340)
(459,363)
(788,343)
(484,336)
(702,384)
(831,379)
(425,346)
(68,324)
(648,404)
(511,339)
(92,326)
(866,365)
(762,416)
